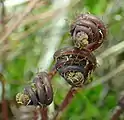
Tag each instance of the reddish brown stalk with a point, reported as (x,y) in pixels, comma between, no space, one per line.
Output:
(4,110)
(35,115)
(52,72)
(71,93)
(68,98)
(118,111)
(44,111)
(91,47)
(4,103)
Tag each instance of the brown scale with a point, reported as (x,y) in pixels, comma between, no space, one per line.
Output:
(38,93)
(88,32)
(74,65)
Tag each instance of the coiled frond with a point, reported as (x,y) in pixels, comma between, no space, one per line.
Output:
(75,65)
(87,31)
(38,93)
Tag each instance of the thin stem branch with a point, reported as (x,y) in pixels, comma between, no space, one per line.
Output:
(44,111)
(21,17)
(35,115)
(2,11)
(47,18)
(4,103)
(30,18)
(71,93)
(2,15)
(14,3)
(117,112)
(52,72)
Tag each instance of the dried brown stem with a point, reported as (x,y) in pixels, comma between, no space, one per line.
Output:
(42,16)
(4,103)
(118,111)
(21,17)
(2,13)
(46,18)
(28,19)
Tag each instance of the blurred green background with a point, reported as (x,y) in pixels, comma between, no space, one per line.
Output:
(30,48)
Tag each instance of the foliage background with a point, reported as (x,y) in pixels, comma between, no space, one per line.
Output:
(30,48)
